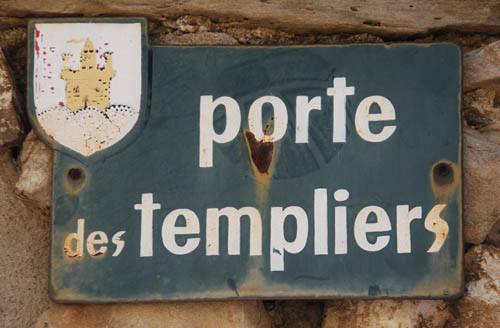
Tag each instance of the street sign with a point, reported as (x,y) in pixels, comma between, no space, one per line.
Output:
(247,172)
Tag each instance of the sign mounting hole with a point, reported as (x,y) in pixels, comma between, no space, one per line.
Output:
(75,178)
(443,173)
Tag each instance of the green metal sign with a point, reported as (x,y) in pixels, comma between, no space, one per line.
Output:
(242,172)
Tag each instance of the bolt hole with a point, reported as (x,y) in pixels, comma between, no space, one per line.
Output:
(75,179)
(75,174)
(443,173)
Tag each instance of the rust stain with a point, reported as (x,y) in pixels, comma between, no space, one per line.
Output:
(261,155)
(261,152)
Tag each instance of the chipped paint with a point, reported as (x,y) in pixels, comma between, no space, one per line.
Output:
(90,84)
(435,223)
(75,238)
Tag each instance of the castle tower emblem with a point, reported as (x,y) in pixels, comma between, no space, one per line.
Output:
(90,85)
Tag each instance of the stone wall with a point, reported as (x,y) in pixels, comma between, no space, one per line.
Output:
(26,163)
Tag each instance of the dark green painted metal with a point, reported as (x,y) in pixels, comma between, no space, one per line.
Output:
(161,157)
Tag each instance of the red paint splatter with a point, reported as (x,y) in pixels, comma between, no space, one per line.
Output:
(61,104)
(37,47)
(51,88)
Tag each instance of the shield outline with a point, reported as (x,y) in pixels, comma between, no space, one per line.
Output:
(144,97)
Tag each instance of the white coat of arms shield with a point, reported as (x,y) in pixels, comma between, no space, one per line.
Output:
(87,82)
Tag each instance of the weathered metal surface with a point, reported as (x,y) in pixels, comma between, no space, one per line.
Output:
(242,177)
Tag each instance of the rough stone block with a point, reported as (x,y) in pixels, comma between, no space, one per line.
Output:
(24,245)
(234,314)
(297,314)
(481,181)
(482,67)
(479,108)
(35,181)
(192,24)
(381,17)
(200,38)
(494,235)
(10,127)
(386,313)
(480,305)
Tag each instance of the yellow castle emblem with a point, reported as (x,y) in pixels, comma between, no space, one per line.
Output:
(90,85)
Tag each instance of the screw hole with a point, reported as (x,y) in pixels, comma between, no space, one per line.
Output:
(75,179)
(443,173)
(75,174)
